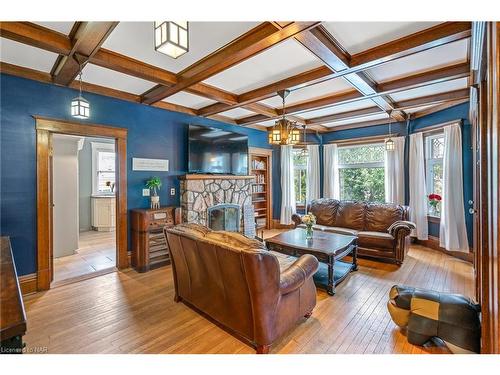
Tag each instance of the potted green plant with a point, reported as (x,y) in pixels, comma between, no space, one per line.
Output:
(154,185)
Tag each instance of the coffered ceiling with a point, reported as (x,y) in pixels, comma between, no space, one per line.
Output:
(339,73)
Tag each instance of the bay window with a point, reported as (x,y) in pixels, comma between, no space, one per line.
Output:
(434,151)
(300,175)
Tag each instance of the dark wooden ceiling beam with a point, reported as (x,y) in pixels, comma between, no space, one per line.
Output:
(36,36)
(323,45)
(393,86)
(86,41)
(435,36)
(246,46)
(344,115)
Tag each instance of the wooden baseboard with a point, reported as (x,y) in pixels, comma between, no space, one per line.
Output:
(433,243)
(28,283)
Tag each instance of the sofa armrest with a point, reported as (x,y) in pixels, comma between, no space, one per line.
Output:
(301,270)
(401,228)
(297,219)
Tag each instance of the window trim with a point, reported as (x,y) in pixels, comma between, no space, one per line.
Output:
(96,148)
(429,167)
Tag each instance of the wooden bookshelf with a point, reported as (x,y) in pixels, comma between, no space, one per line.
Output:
(260,166)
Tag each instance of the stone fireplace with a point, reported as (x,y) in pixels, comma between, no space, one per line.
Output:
(214,200)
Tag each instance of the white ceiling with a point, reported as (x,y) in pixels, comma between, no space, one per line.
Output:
(23,55)
(62,27)
(136,39)
(377,116)
(433,58)
(237,113)
(332,86)
(189,100)
(110,78)
(360,104)
(279,62)
(437,88)
(359,36)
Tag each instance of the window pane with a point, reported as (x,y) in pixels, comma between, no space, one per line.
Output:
(105,180)
(300,172)
(362,184)
(437,148)
(105,161)
(361,154)
(437,178)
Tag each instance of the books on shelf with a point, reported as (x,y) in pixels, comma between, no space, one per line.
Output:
(258,189)
(260,179)
(258,164)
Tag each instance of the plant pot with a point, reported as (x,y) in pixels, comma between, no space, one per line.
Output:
(155,202)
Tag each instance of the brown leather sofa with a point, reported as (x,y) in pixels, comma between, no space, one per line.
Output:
(254,293)
(382,229)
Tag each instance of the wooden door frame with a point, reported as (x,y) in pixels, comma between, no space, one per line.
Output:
(45,127)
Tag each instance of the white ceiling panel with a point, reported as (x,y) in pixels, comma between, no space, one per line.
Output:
(267,123)
(237,113)
(189,100)
(358,119)
(433,58)
(359,36)
(437,88)
(281,61)
(136,39)
(115,80)
(332,86)
(26,56)
(360,104)
(62,27)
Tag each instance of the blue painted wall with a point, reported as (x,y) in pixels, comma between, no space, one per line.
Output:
(152,133)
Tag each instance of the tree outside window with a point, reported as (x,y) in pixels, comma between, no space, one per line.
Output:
(362,172)
(434,152)
(300,175)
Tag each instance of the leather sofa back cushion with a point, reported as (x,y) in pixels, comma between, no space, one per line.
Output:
(379,217)
(325,210)
(351,215)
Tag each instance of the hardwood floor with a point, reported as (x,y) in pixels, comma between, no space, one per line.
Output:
(96,252)
(128,312)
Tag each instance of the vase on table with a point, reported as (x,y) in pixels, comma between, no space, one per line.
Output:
(309,232)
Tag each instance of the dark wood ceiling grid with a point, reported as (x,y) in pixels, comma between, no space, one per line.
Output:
(85,40)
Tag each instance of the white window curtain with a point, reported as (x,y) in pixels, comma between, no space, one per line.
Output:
(395,172)
(453,232)
(331,172)
(418,191)
(287,185)
(312,183)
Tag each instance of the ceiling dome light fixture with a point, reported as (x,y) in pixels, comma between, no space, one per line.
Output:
(80,107)
(172,38)
(284,131)
(389,144)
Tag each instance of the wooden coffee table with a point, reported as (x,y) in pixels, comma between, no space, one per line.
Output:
(329,248)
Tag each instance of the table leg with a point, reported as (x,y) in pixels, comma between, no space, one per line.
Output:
(330,288)
(355,258)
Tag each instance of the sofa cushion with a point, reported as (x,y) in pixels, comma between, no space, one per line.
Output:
(378,240)
(325,210)
(379,217)
(315,227)
(339,230)
(351,214)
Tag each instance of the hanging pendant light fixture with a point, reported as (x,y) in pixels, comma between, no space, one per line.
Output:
(389,144)
(80,107)
(284,131)
(172,38)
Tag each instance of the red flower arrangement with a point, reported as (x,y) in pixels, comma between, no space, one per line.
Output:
(434,200)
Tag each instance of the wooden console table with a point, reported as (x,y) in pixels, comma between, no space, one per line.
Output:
(12,315)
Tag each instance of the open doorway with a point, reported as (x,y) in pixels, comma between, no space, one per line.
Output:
(104,244)
(84,205)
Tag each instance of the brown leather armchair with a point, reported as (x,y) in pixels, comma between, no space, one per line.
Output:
(254,293)
(382,229)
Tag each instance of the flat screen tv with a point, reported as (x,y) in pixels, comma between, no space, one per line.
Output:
(217,151)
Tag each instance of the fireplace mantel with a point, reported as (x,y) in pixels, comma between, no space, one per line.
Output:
(195,176)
